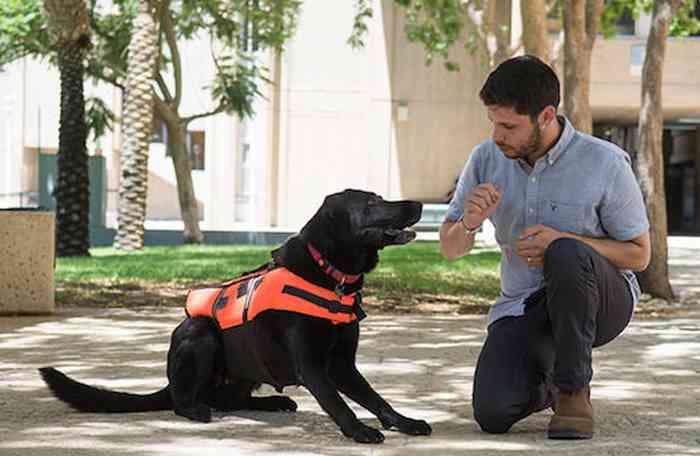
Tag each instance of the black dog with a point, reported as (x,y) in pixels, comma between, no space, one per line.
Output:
(213,368)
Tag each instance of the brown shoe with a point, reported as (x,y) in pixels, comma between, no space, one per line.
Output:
(573,418)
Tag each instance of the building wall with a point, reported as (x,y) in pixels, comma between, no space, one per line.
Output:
(376,118)
(616,81)
(340,113)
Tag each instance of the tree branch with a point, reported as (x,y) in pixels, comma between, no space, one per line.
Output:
(217,110)
(163,88)
(594,9)
(171,39)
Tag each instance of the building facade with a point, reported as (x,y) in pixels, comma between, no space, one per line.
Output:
(376,118)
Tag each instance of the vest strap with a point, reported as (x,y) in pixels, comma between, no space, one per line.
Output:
(331,306)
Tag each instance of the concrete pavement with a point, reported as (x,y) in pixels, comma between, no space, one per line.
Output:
(646,388)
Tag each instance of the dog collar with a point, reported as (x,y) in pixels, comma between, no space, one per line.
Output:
(339,276)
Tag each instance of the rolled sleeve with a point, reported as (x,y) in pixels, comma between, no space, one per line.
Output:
(622,213)
(468,179)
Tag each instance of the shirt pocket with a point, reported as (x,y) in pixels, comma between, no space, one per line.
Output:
(563,216)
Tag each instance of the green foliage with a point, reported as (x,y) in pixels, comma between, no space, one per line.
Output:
(22,30)
(235,87)
(359,26)
(98,117)
(684,23)
(239,26)
(436,24)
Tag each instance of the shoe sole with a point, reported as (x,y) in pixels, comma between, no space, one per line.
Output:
(570,428)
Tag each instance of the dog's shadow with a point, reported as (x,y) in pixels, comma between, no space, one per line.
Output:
(315,423)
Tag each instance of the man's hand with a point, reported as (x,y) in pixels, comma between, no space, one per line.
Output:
(533,242)
(480,203)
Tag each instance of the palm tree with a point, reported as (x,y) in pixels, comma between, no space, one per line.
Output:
(68,26)
(136,129)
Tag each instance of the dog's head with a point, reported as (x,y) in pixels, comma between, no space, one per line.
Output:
(365,220)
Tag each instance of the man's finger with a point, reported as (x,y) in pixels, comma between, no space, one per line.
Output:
(479,202)
(531,231)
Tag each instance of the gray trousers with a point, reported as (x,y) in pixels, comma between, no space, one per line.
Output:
(585,303)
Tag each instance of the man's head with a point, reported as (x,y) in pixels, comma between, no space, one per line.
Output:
(522,96)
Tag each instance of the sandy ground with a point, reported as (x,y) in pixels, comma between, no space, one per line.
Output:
(646,392)
(646,388)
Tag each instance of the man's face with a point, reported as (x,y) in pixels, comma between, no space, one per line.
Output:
(515,134)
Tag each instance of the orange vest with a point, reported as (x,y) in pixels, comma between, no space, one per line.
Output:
(238,301)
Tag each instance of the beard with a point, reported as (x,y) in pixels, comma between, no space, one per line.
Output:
(531,147)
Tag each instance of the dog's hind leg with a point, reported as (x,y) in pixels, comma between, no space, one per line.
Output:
(237,396)
(191,363)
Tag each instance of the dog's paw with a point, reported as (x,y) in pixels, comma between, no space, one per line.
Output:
(199,412)
(414,427)
(282,404)
(364,434)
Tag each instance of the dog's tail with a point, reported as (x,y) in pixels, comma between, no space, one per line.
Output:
(86,398)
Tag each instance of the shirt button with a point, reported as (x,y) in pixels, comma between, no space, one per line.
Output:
(534,179)
(531,210)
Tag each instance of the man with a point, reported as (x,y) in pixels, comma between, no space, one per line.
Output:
(571,225)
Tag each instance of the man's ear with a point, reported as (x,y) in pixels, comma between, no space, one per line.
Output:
(547,116)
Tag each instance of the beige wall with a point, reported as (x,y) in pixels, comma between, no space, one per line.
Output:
(445,116)
(615,92)
(339,113)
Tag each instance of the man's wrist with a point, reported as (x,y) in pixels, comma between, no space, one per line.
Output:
(468,231)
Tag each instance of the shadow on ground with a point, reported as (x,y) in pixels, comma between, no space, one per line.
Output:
(646,391)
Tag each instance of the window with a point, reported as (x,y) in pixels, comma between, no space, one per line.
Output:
(249,39)
(195,141)
(159,131)
(195,148)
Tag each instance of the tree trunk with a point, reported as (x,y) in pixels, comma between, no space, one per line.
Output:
(177,147)
(580,27)
(650,160)
(72,190)
(67,23)
(534,19)
(697,180)
(177,142)
(136,130)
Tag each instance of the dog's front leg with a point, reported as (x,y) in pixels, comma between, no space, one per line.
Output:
(351,383)
(312,373)
(344,374)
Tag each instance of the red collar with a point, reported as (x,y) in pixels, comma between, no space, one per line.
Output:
(339,276)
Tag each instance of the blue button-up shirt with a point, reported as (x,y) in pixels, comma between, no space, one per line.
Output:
(582,185)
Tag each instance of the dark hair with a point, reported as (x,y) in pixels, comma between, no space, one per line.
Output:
(524,83)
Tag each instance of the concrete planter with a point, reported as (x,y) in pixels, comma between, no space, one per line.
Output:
(26,262)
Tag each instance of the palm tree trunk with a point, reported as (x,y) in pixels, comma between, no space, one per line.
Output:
(136,130)
(72,190)
(650,161)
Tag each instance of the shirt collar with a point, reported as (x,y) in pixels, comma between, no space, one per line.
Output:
(565,138)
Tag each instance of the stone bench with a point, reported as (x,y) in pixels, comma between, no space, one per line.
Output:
(26,261)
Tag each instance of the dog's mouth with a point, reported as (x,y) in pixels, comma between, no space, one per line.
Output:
(399,237)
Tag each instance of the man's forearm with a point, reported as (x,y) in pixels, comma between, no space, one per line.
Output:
(622,254)
(453,242)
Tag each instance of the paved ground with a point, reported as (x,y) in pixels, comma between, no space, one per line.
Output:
(646,389)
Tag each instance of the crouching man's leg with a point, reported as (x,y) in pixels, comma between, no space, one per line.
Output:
(513,374)
(588,303)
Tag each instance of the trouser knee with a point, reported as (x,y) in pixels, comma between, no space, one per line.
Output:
(494,420)
(567,257)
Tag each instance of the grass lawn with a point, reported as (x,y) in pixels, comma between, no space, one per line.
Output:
(408,278)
